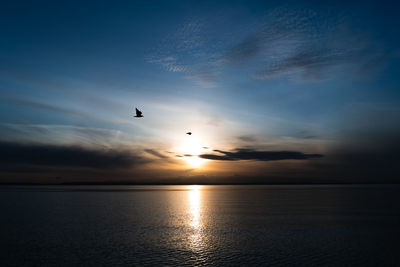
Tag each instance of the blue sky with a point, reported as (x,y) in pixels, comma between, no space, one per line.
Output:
(246,77)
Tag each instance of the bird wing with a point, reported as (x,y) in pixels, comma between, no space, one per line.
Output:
(138,112)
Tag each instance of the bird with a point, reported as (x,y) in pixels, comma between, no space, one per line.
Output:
(138,114)
(189,133)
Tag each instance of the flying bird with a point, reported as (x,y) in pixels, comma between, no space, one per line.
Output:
(138,114)
(189,133)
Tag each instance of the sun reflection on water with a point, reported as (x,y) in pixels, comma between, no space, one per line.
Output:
(194,194)
(194,205)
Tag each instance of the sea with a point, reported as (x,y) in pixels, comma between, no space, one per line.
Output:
(199,225)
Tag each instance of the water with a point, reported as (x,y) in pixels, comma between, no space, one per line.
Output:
(200,225)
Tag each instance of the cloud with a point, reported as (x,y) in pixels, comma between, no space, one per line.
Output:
(62,134)
(310,63)
(184,155)
(156,153)
(282,42)
(247,138)
(249,154)
(13,153)
(315,62)
(169,63)
(205,75)
(47,107)
(250,47)
(311,137)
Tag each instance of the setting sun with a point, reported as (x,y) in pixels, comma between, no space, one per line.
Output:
(190,149)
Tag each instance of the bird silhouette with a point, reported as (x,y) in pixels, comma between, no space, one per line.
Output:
(138,114)
(189,133)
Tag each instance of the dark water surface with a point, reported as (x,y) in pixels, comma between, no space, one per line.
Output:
(200,225)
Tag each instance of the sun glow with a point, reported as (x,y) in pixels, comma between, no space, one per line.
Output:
(190,150)
(194,161)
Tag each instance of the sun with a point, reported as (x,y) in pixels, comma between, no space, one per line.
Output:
(190,149)
(194,161)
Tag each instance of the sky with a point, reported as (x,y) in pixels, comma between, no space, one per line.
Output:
(273,92)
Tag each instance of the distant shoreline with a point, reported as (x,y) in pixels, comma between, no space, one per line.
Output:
(205,184)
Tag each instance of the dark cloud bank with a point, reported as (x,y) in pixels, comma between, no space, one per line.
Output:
(249,154)
(65,156)
(43,163)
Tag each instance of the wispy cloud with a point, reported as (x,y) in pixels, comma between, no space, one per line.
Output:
(310,63)
(169,63)
(247,138)
(62,134)
(285,41)
(48,107)
(156,153)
